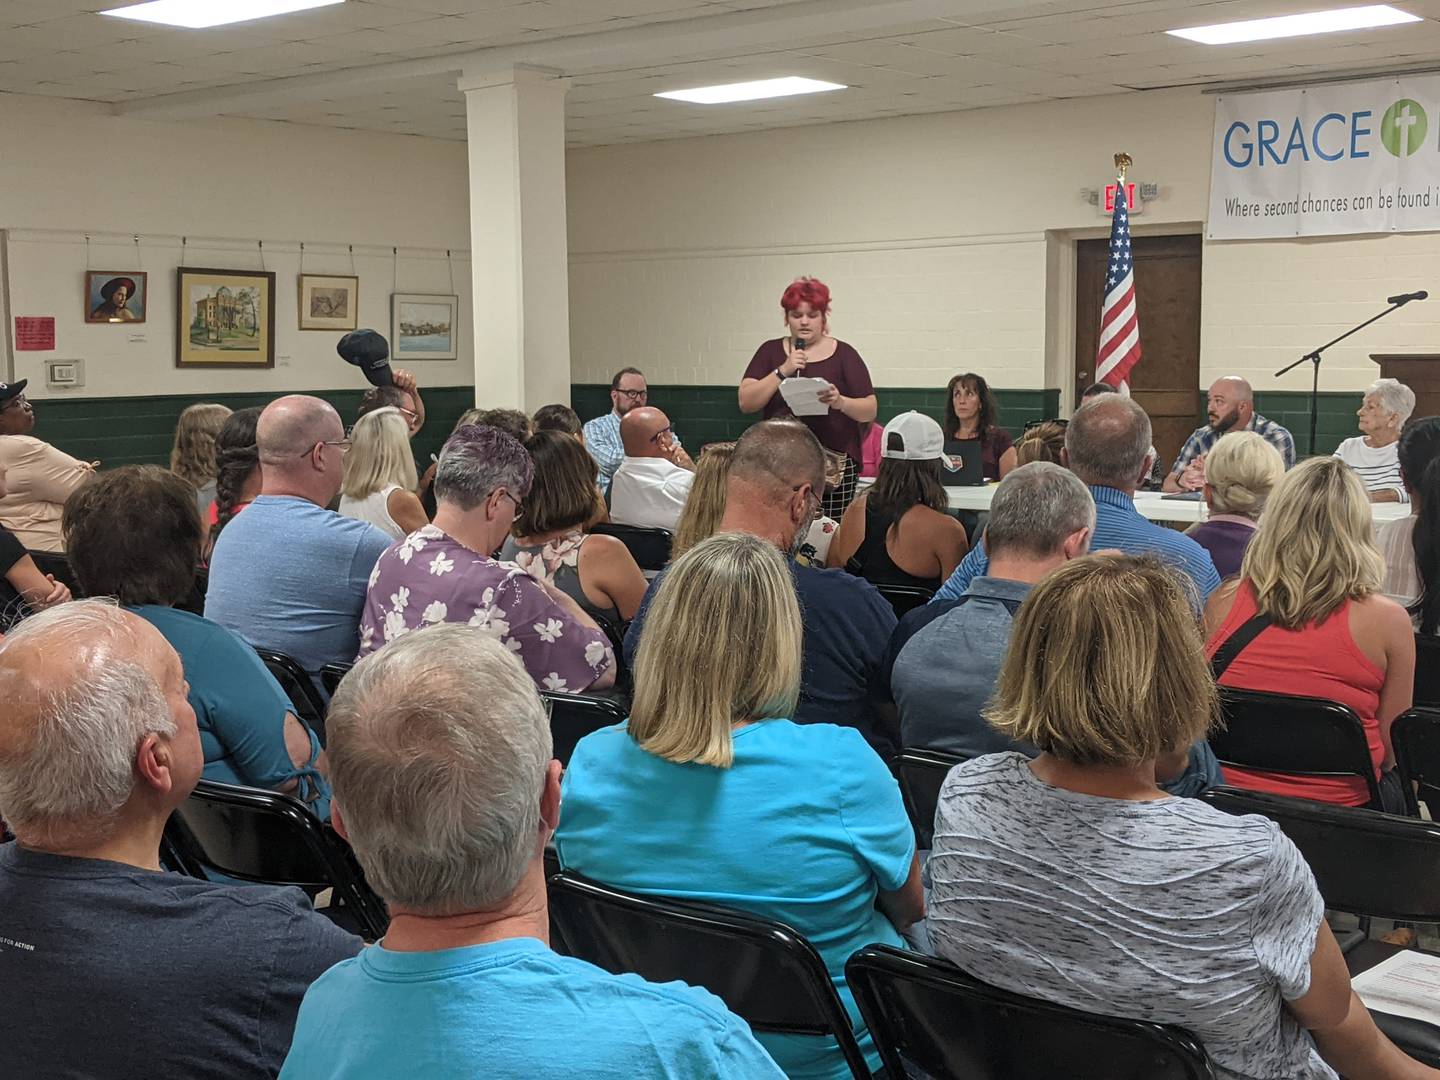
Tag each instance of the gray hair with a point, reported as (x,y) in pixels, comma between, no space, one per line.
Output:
(68,760)
(438,746)
(779,454)
(1107,441)
(1035,508)
(1394,397)
(476,460)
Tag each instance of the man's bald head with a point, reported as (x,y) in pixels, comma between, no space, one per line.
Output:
(1230,404)
(84,684)
(638,431)
(778,455)
(1107,442)
(291,426)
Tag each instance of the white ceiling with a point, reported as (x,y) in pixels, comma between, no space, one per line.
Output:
(390,65)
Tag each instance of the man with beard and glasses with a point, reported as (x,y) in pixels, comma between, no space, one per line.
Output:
(777,475)
(1231,407)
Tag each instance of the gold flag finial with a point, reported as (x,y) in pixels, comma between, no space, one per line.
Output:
(1123,162)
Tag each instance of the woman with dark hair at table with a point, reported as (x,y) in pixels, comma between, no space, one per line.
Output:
(972,425)
(808,350)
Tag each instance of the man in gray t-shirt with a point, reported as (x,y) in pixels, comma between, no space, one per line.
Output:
(944,657)
(109,966)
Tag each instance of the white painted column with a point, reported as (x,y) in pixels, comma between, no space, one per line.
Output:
(519,251)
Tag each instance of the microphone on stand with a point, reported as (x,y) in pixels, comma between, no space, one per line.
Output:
(1405,298)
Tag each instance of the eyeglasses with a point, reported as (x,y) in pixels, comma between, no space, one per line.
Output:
(667,430)
(519,506)
(343,444)
(19,401)
(633,395)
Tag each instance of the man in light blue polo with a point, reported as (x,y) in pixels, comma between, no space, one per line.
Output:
(1107,445)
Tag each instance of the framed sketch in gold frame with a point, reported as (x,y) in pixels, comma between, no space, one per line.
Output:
(224,318)
(328,302)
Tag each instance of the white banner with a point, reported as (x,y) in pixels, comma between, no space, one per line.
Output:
(1360,157)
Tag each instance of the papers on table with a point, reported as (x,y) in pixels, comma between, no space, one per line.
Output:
(1407,984)
(803,395)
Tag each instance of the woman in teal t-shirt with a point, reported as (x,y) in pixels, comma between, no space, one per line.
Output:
(709,793)
(134,533)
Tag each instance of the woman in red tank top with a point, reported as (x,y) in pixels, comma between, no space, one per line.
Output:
(1314,570)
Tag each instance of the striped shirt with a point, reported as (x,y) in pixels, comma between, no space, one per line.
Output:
(1117,525)
(1377,466)
(1203,439)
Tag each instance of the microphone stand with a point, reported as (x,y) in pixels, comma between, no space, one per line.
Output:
(1314,357)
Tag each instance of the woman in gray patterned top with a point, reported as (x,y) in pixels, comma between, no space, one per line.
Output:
(1074,878)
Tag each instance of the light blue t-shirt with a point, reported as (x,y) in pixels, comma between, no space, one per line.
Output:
(511,1009)
(805,827)
(239,707)
(291,576)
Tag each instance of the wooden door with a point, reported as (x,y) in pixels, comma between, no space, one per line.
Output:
(1167,297)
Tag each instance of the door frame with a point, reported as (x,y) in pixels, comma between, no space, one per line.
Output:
(1061,270)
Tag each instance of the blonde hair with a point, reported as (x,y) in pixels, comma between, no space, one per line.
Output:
(705,505)
(1242,470)
(1314,548)
(692,680)
(1106,665)
(1043,442)
(192,457)
(379,454)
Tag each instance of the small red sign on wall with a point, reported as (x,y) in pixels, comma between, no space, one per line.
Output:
(34,333)
(1110,197)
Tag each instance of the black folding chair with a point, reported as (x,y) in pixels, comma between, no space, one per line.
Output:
(1299,736)
(331,674)
(573,716)
(921,772)
(905,598)
(650,547)
(299,688)
(954,1027)
(1415,736)
(1427,671)
(764,971)
(1367,864)
(265,837)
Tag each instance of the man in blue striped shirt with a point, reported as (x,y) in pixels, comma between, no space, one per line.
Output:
(1107,445)
(1230,406)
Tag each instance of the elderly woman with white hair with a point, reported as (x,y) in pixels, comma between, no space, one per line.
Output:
(1372,453)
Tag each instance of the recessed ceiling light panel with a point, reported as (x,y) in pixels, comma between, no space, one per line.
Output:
(752,91)
(199,14)
(1311,22)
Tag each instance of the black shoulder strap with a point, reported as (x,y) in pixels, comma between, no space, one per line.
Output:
(1235,644)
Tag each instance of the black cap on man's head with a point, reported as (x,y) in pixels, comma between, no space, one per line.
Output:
(10,391)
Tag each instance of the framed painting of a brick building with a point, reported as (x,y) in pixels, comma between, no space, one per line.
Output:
(224,318)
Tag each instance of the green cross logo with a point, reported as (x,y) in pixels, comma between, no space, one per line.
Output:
(1402,129)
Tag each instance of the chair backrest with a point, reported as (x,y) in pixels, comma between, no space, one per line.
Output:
(1427,671)
(1364,862)
(573,716)
(764,971)
(955,1027)
(921,772)
(298,687)
(1416,738)
(331,674)
(650,547)
(1300,736)
(905,598)
(263,836)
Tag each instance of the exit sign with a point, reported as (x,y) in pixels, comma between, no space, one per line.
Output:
(1132,199)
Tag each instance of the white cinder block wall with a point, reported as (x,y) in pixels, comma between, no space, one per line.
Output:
(933,232)
(70,168)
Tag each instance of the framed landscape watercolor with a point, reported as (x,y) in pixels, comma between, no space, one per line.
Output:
(328,302)
(225,318)
(424,326)
(115,296)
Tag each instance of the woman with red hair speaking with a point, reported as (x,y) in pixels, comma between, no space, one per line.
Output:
(809,350)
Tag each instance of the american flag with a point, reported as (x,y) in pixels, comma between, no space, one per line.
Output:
(1119,325)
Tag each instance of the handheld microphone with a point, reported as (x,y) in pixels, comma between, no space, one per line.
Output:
(1405,298)
(798,343)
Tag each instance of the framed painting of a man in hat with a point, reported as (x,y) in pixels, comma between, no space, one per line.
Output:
(115,296)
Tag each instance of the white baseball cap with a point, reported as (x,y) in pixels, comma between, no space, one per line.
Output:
(920,438)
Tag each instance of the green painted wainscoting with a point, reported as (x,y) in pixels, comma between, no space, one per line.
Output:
(139,430)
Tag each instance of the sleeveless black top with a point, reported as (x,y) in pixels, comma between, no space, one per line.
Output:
(873,562)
